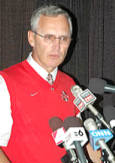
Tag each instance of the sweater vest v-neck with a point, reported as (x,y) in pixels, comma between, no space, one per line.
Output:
(34,102)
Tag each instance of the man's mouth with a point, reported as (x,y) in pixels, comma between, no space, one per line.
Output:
(54,55)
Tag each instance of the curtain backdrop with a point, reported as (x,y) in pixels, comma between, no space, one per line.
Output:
(93,51)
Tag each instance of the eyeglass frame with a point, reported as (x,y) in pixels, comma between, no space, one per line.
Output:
(61,38)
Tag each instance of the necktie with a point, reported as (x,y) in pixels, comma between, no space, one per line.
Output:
(50,79)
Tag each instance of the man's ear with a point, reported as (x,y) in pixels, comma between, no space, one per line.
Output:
(31,38)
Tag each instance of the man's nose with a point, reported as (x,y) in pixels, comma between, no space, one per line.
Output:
(57,43)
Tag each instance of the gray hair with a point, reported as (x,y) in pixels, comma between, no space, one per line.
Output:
(49,10)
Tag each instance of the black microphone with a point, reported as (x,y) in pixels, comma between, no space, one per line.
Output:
(56,124)
(84,99)
(91,125)
(109,114)
(66,159)
(99,86)
(74,124)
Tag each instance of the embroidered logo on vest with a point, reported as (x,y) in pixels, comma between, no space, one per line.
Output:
(34,93)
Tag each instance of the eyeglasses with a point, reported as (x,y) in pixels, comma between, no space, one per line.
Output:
(50,38)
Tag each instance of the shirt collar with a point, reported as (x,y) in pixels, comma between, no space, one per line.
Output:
(41,71)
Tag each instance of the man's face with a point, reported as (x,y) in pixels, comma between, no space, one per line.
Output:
(49,54)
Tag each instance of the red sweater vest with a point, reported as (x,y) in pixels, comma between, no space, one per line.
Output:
(33,103)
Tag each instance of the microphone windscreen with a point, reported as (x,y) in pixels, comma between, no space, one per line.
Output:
(90,124)
(109,113)
(72,122)
(97,85)
(55,123)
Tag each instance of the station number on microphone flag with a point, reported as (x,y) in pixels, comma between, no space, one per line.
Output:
(75,134)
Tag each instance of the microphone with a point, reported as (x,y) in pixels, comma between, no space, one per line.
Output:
(85,99)
(100,86)
(90,125)
(109,114)
(66,159)
(56,124)
(75,134)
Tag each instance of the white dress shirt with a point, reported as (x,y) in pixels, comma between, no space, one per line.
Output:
(5,114)
(5,104)
(42,72)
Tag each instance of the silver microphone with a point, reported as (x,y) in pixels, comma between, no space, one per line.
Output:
(91,125)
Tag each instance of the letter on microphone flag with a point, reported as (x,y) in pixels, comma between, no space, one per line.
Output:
(95,135)
(58,135)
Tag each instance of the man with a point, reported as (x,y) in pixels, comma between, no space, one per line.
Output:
(30,98)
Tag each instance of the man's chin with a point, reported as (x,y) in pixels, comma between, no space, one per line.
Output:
(55,63)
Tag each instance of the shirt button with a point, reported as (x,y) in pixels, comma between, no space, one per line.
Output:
(52,89)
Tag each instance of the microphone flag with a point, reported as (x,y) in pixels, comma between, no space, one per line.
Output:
(95,135)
